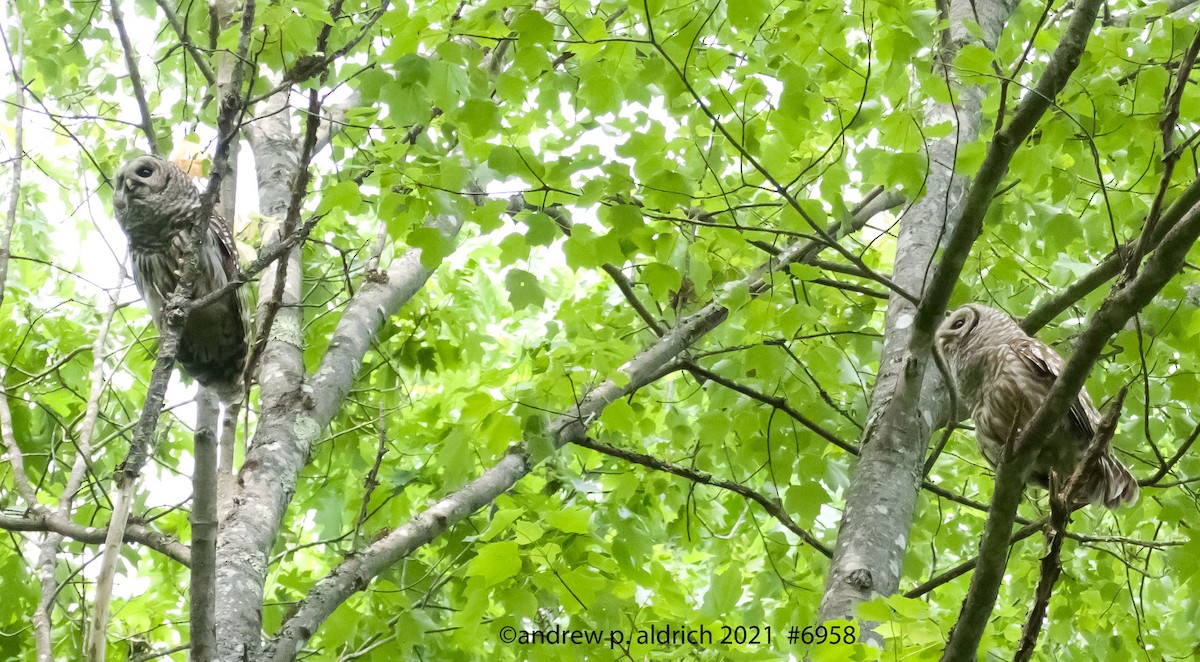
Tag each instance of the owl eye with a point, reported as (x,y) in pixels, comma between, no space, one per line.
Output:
(144,171)
(957,324)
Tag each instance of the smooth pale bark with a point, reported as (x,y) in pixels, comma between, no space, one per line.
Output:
(204,529)
(248,529)
(646,367)
(294,409)
(873,534)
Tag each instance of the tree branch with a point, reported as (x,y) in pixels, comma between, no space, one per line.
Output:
(778,403)
(1060,516)
(969,565)
(203,588)
(1123,303)
(995,164)
(135,77)
(197,57)
(48,522)
(15,63)
(1172,461)
(345,355)
(772,506)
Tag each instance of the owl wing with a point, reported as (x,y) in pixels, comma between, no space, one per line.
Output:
(1047,365)
(225,245)
(214,343)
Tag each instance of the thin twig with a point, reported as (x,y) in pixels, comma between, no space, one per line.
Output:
(1166,467)
(1170,155)
(198,57)
(772,506)
(15,62)
(135,77)
(372,480)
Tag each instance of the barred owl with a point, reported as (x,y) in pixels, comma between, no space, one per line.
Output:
(1002,375)
(156,205)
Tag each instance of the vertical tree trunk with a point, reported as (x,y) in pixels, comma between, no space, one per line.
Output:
(873,534)
(204,529)
(248,530)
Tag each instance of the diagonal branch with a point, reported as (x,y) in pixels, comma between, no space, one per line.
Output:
(1122,304)
(1166,467)
(135,77)
(181,31)
(15,457)
(969,565)
(779,188)
(1060,516)
(49,547)
(776,402)
(644,368)
(1110,266)
(995,164)
(1170,155)
(772,506)
(310,66)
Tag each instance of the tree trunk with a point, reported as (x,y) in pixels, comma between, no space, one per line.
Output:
(873,534)
(281,442)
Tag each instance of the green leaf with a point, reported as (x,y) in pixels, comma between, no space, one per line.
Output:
(412,69)
(534,27)
(748,14)
(573,520)
(974,59)
(723,593)
(495,562)
(1186,560)
(542,230)
(523,289)
(510,162)
(661,279)
(480,116)
(434,245)
(343,197)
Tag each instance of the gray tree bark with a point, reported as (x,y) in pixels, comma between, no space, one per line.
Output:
(873,534)
(647,366)
(294,409)
(281,441)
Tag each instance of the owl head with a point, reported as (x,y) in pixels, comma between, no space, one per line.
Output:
(152,196)
(973,327)
(954,331)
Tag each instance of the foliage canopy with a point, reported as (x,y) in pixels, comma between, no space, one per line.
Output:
(626,150)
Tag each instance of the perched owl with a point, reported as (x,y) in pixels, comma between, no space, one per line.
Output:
(1002,375)
(157,205)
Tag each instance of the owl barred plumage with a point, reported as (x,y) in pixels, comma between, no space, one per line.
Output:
(157,205)
(1002,375)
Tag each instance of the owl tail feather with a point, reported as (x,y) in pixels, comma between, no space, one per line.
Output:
(1110,483)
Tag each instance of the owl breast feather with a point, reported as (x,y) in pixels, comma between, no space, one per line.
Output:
(212,344)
